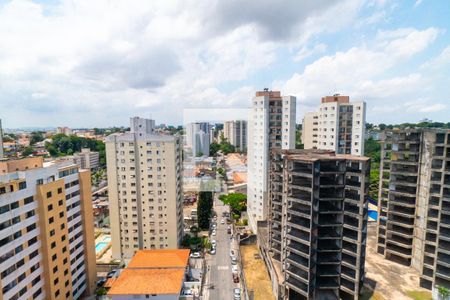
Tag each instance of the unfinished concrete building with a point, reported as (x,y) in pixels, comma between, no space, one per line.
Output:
(414,202)
(318,223)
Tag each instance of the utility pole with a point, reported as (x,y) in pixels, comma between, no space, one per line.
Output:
(1,140)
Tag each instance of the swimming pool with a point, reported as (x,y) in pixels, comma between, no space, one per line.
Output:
(373,214)
(100,246)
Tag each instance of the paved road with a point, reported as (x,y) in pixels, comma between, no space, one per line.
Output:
(220,275)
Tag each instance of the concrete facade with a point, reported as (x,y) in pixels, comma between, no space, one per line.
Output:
(87,159)
(271,126)
(414,202)
(236,133)
(46,231)
(198,137)
(317,227)
(339,126)
(145,190)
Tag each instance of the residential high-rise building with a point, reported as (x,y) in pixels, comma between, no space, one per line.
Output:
(64,130)
(198,137)
(87,159)
(339,126)
(271,126)
(145,189)
(414,202)
(1,140)
(46,230)
(317,226)
(236,133)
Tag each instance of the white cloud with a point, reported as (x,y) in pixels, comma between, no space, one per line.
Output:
(307,52)
(115,58)
(362,72)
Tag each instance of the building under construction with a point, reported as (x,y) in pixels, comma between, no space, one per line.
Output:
(318,224)
(414,202)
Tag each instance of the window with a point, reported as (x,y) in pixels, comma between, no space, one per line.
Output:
(59,190)
(60,202)
(28,200)
(55,269)
(57,292)
(51,220)
(50,207)
(49,194)
(22,185)
(61,214)
(53,245)
(54,257)
(52,232)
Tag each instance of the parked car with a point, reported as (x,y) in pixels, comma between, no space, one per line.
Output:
(233,261)
(235,278)
(237,293)
(212,251)
(213,243)
(195,255)
(213,232)
(222,221)
(232,253)
(234,269)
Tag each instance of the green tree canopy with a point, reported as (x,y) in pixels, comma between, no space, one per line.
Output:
(236,201)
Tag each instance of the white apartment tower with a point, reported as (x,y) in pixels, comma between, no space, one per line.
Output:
(198,137)
(236,133)
(145,189)
(339,125)
(271,126)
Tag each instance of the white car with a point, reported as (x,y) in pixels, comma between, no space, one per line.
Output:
(213,243)
(237,293)
(212,251)
(195,255)
(222,221)
(234,269)
(232,253)
(214,232)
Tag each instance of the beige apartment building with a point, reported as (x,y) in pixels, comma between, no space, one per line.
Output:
(87,159)
(145,189)
(236,133)
(46,230)
(339,126)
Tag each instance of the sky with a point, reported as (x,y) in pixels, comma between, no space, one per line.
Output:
(84,63)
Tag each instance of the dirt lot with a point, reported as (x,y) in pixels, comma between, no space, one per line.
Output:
(256,274)
(387,279)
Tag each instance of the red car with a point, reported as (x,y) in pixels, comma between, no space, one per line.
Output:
(235,278)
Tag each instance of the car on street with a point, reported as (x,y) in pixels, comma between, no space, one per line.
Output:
(233,261)
(237,293)
(234,269)
(213,232)
(213,243)
(235,278)
(212,251)
(214,226)
(195,255)
(222,221)
(232,253)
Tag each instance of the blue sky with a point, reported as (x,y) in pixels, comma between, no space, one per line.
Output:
(96,63)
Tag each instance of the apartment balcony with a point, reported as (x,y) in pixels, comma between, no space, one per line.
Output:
(331,167)
(302,181)
(297,221)
(401,209)
(443,271)
(329,245)
(331,193)
(298,259)
(349,207)
(297,234)
(325,282)
(400,230)
(408,201)
(300,167)
(331,219)
(403,168)
(351,221)
(350,234)
(331,180)
(440,138)
(433,214)
(294,283)
(352,195)
(401,220)
(437,164)
(330,206)
(398,249)
(399,240)
(444,232)
(299,207)
(329,232)
(329,258)
(443,244)
(349,246)
(301,194)
(443,258)
(328,270)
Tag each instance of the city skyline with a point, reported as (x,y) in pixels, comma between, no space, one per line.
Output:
(93,64)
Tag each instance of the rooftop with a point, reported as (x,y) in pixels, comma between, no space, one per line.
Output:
(314,155)
(148,282)
(161,258)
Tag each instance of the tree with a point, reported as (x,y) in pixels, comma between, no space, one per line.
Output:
(213,148)
(382,126)
(236,201)
(36,137)
(27,151)
(204,206)
(444,292)
(372,149)
(298,140)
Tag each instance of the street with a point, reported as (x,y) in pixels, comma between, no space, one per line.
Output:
(220,275)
